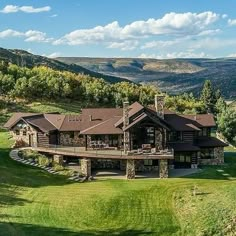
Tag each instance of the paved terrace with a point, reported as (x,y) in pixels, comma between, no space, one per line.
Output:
(103,153)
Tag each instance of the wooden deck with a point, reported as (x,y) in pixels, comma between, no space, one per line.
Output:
(80,152)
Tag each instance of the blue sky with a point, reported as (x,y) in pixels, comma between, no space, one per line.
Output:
(120,28)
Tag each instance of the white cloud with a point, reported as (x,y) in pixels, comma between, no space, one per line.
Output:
(27,9)
(124,46)
(232,55)
(54,15)
(10,33)
(159,44)
(53,55)
(172,55)
(30,35)
(224,16)
(177,24)
(232,22)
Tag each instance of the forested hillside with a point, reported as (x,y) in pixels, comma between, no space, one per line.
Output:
(174,76)
(25,59)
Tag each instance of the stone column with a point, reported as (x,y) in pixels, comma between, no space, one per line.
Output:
(58,159)
(130,169)
(159,105)
(85,167)
(125,124)
(158,140)
(163,169)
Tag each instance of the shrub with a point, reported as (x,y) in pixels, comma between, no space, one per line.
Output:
(43,160)
(28,154)
(57,167)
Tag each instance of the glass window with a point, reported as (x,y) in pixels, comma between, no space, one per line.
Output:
(148,162)
(182,159)
(188,159)
(24,132)
(207,153)
(17,132)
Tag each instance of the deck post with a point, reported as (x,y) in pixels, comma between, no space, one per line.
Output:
(58,159)
(86,167)
(163,169)
(130,169)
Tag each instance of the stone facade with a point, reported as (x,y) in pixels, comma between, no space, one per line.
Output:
(71,139)
(163,169)
(130,169)
(24,134)
(126,123)
(85,167)
(217,160)
(106,140)
(158,139)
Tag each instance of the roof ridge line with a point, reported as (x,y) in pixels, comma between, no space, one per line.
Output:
(49,120)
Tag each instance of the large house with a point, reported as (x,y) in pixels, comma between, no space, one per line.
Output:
(135,138)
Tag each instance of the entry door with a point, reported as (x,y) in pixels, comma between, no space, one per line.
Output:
(31,140)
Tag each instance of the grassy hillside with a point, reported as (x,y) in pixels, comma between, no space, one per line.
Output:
(24,58)
(64,107)
(33,202)
(173,76)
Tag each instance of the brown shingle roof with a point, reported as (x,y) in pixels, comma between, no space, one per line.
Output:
(71,123)
(105,127)
(16,117)
(91,117)
(209,142)
(55,119)
(41,122)
(189,122)
(184,147)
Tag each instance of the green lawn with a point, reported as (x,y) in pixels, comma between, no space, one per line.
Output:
(33,202)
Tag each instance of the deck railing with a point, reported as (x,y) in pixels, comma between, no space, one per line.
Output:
(111,151)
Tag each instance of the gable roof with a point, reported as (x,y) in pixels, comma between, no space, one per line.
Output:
(16,117)
(105,127)
(189,122)
(41,122)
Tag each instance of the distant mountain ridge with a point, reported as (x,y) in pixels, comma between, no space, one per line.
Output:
(24,58)
(171,75)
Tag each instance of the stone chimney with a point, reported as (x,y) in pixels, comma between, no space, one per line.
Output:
(125,124)
(159,105)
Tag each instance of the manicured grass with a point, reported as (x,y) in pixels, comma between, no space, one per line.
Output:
(33,202)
